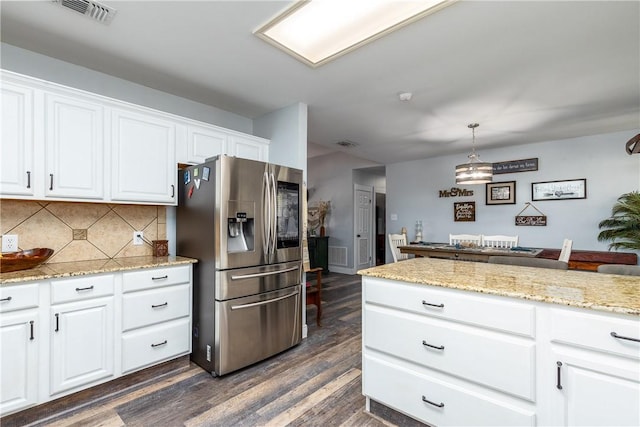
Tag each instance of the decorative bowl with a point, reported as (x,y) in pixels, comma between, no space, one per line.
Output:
(24,260)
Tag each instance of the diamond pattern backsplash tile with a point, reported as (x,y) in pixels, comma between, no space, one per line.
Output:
(82,231)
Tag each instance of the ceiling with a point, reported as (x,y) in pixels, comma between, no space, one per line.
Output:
(526,71)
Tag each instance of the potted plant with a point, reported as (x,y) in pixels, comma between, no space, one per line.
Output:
(623,227)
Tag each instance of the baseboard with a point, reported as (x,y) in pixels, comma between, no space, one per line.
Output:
(341,270)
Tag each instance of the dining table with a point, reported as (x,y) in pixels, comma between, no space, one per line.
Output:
(465,253)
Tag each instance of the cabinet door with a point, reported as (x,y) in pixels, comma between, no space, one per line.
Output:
(143,158)
(82,345)
(74,148)
(245,147)
(18,360)
(16,153)
(204,143)
(597,391)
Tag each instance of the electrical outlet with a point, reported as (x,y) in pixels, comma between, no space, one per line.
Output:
(10,243)
(138,238)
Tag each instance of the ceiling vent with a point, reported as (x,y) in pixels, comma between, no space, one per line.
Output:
(347,144)
(92,9)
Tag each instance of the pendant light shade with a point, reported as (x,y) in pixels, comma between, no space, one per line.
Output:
(474,171)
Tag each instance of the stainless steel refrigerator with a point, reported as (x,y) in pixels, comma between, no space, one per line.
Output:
(241,219)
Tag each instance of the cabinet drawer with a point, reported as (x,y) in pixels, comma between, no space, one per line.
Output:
(17,297)
(81,288)
(499,361)
(154,306)
(155,343)
(152,278)
(486,311)
(404,390)
(593,331)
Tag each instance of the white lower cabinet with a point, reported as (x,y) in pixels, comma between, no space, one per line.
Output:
(156,321)
(439,356)
(64,335)
(597,381)
(19,341)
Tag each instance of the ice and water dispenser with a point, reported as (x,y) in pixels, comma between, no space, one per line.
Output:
(240,226)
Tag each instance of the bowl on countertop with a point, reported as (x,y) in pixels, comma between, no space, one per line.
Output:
(23,260)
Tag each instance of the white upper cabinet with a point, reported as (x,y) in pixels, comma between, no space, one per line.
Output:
(74,161)
(204,142)
(248,147)
(16,160)
(143,157)
(61,143)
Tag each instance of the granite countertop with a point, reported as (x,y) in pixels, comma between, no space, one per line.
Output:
(81,268)
(596,291)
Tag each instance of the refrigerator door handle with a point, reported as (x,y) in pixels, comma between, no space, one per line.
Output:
(274,213)
(266,212)
(268,273)
(256,304)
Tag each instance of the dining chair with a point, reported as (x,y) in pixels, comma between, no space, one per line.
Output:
(396,240)
(455,239)
(529,262)
(500,241)
(565,252)
(625,270)
(314,293)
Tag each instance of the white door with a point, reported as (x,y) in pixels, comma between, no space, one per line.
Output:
(82,343)
(16,154)
(18,360)
(248,148)
(143,158)
(74,161)
(363,227)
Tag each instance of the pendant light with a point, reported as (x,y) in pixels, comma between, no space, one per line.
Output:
(475,171)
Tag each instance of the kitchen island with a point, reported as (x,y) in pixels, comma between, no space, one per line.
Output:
(459,343)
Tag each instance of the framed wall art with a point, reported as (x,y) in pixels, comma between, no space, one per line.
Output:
(501,193)
(464,211)
(559,190)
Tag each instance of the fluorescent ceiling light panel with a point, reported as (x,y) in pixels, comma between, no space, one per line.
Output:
(318,31)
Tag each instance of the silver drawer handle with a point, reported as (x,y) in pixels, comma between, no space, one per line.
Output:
(160,305)
(7,299)
(256,304)
(620,337)
(160,278)
(432,305)
(268,273)
(159,344)
(88,288)
(437,347)
(439,405)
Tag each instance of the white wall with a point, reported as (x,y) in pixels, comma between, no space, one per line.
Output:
(287,130)
(46,68)
(413,188)
(331,177)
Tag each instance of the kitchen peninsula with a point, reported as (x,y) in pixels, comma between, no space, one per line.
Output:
(467,343)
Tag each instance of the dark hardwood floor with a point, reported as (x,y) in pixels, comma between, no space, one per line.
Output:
(316,383)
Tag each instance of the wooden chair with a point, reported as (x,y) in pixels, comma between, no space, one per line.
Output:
(565,253)
(396,240)
(529,262)
(455,239)
(500,241)
(625,270)
(314,293)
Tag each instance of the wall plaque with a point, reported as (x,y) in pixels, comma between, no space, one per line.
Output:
(464,211)
(513,166)
(531,220)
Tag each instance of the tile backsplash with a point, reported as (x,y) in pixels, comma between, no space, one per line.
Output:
(82,231)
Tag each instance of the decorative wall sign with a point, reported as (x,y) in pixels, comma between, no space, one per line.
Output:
(501,193)
(559,190)
(513,166)
(464,211)
(531,220)
(455,192)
